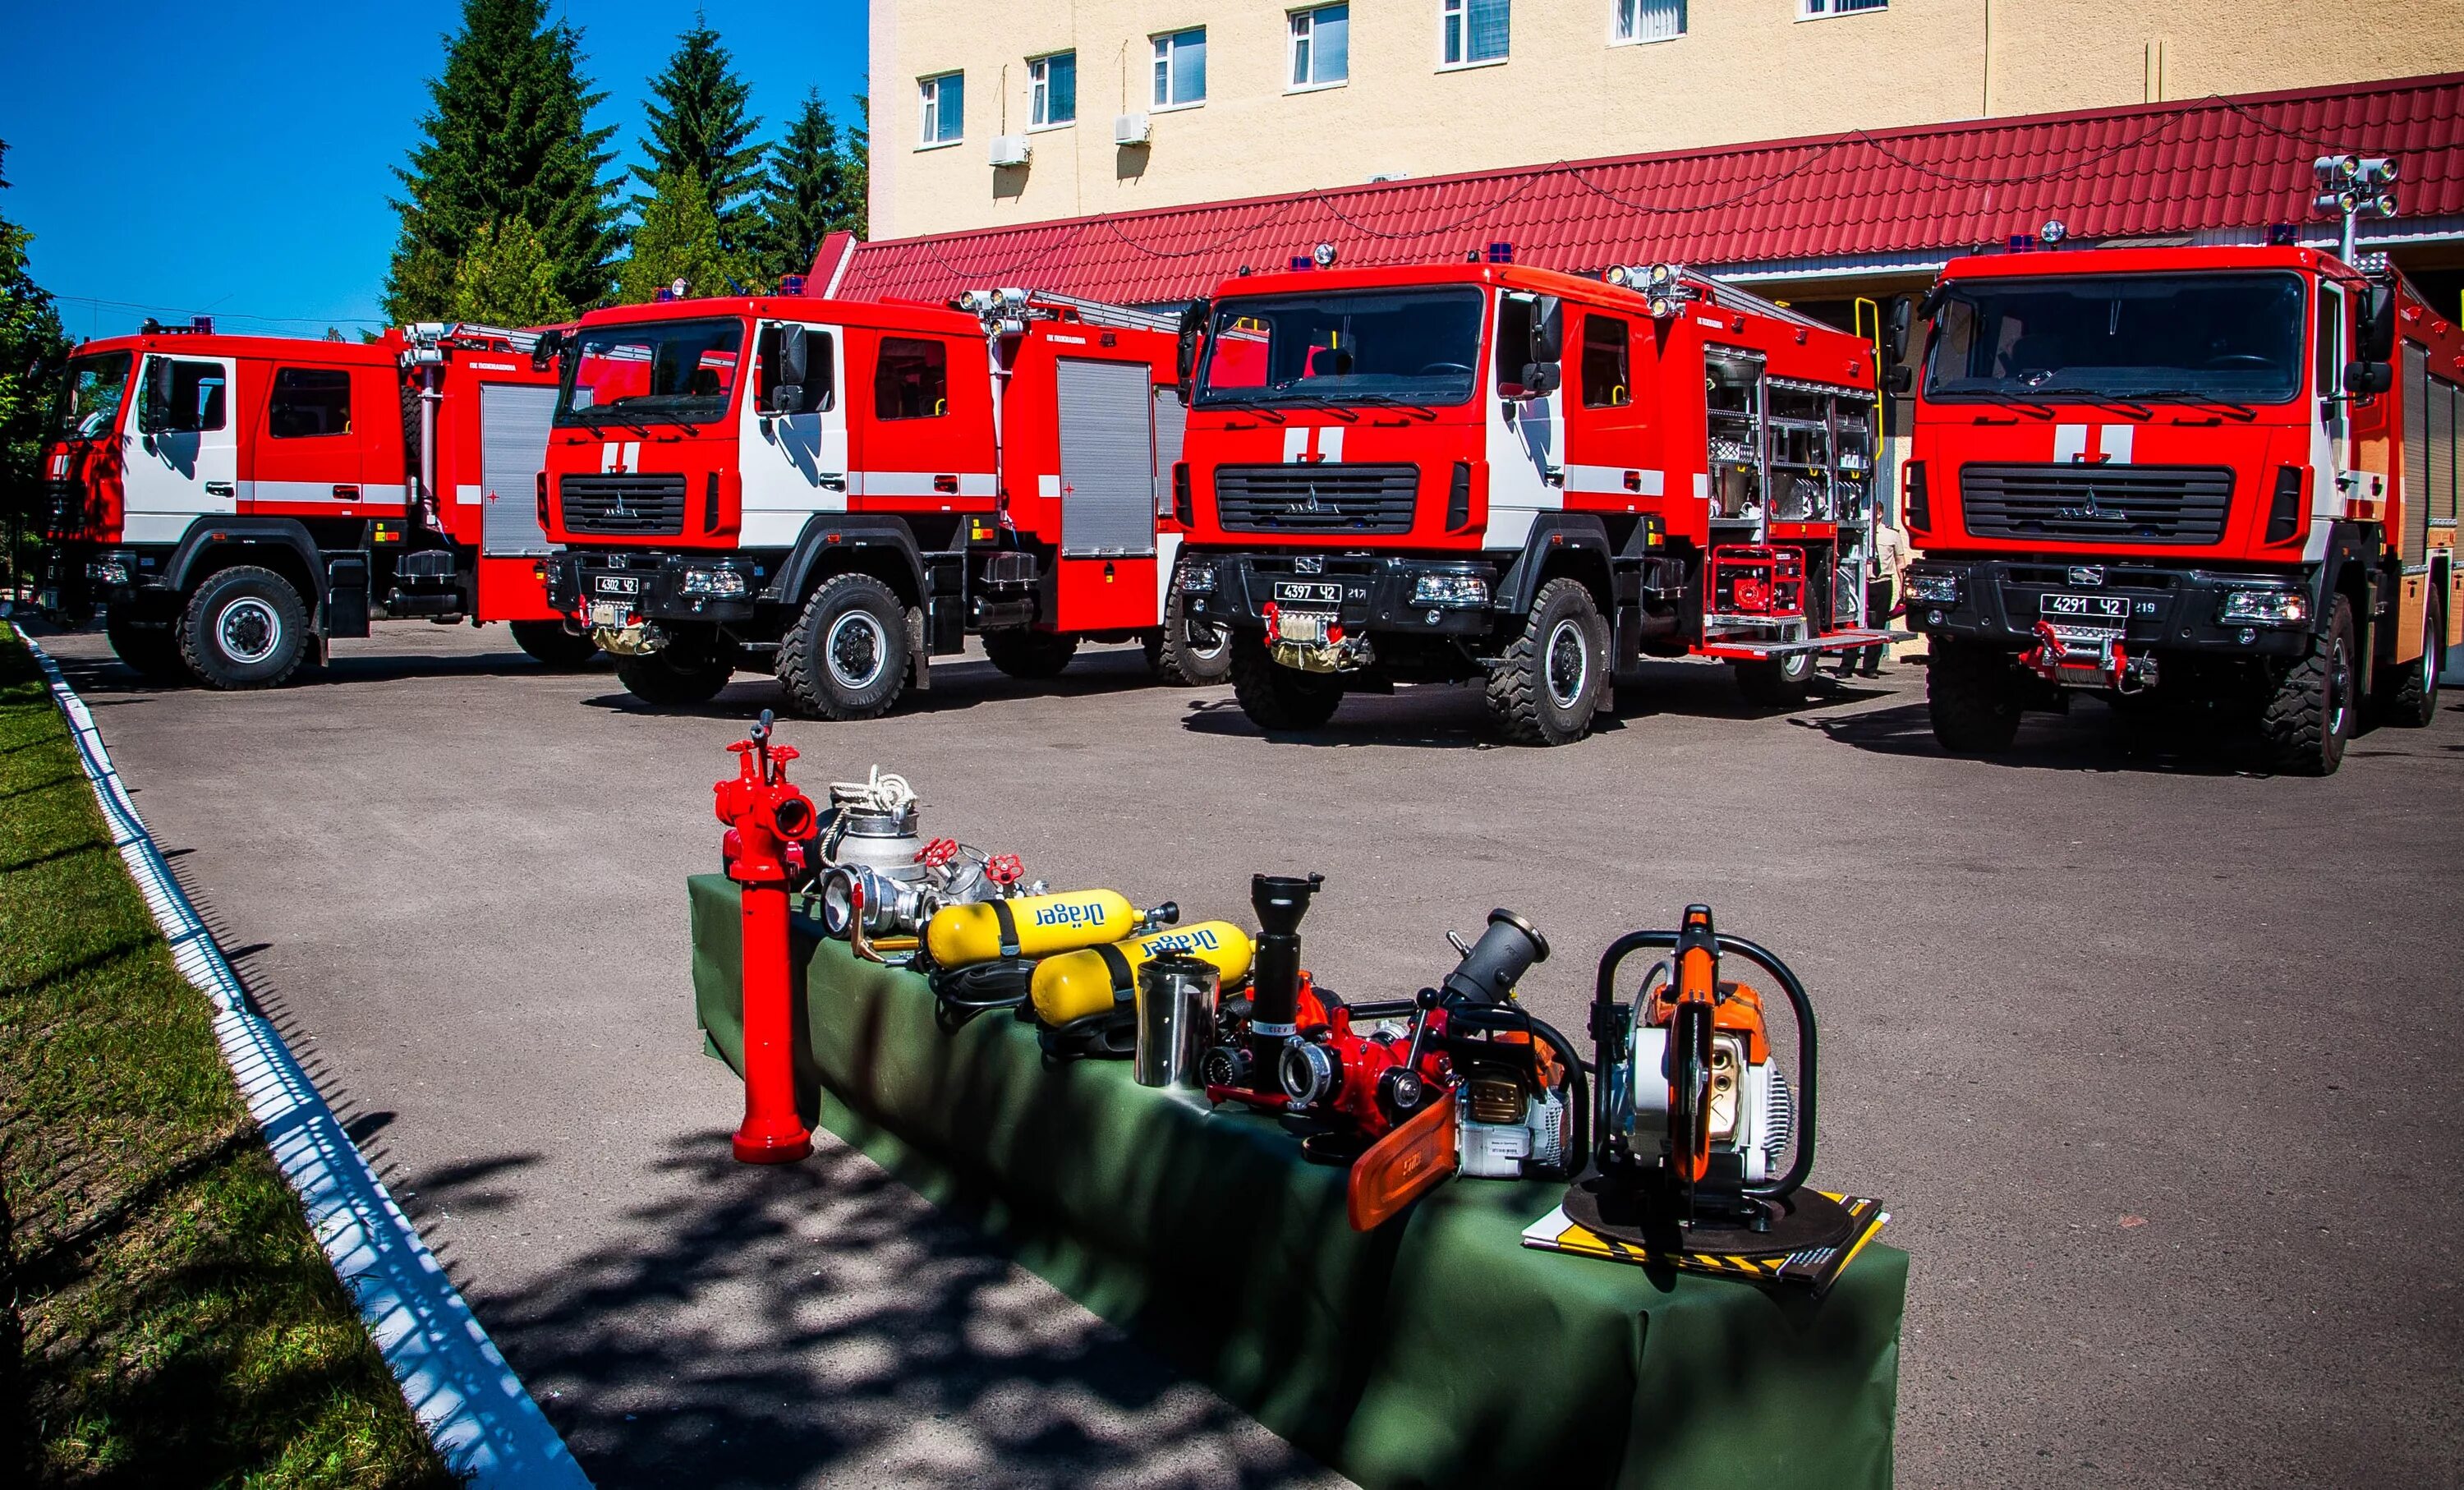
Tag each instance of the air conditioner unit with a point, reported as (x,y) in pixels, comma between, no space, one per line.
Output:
(1131,129)
(1010,149)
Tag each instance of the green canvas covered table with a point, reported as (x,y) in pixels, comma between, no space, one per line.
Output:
(1435,1351)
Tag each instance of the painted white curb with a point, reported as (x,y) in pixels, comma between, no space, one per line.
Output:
(478,1412)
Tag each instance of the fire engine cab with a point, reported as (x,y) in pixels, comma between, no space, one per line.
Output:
(236,502)
(849,489)
(2223,477)
(1486,471)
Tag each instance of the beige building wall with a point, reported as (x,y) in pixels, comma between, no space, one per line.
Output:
(1744,69)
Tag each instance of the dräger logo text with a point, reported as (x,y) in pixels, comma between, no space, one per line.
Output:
(1181,941)
(1070,915)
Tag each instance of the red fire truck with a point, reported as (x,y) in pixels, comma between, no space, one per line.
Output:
(236,502)
(853,488)
(1485,472)
(2220,476)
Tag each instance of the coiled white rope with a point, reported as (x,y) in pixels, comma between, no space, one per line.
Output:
(882,792)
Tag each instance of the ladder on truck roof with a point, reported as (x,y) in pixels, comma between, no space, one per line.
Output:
(428,338)
(1011,303)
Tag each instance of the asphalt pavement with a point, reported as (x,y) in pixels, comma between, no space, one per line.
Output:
(2149,1054)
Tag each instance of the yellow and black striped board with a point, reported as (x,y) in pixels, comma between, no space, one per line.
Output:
(1813,1266)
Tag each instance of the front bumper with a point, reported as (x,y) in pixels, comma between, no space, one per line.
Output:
(2000,601)
(1364,594)
(615,590)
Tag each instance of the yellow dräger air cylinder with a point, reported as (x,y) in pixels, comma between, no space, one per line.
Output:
(1093,981)
(1038,925)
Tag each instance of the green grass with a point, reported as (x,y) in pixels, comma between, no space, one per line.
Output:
(166,1318)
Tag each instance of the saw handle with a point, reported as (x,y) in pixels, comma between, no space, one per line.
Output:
(1608,1021)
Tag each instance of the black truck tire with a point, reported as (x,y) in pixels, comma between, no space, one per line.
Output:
(2411,698)
(1776,682)
(550,645)
(845,656)
(1547,687)
(690,670)
(2309,716)
(1277,697)
(1973,696)
(1185,653)
(244,628)
(152,649)
(1025,654)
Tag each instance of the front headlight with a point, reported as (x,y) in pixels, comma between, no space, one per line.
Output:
(719,584)
(1197,580)
(2269,607)
(1933,589)
(1450,589)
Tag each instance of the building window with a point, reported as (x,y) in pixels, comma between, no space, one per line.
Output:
(1053,82)
(1473,31)
(945,110)
(1605,380)
(1648,20)
(1321,46)
(309,401)
(1181,69)
(910,379)
(1816,10)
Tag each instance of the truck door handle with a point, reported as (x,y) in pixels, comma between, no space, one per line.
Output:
(832,482)
(218,488)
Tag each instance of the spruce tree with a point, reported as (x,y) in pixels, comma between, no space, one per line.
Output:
(679,239)
(507,137)
(505,280)
(703,132)
(806,193)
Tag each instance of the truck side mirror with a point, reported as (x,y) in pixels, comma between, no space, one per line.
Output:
(544,350)
(154,414)
(1548,330)
(794,355)
(1541,379)
(2378,324)
(786,398)
(1193,317)
(2362,376)
(1902,313)
(1900,380)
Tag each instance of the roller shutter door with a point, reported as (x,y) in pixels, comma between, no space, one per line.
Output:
(1108,458)
(513,450)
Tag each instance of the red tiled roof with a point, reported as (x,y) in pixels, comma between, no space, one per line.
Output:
(2213,163)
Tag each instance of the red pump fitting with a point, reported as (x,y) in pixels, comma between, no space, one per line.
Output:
(767,824)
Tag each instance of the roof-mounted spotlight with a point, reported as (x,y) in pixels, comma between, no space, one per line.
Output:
(1323,255)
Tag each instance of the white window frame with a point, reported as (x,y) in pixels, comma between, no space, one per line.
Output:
(1457,14)
(1834,10)
(1301,31)
(928,110)
(1039,91)
(1166,57)
(1623,13)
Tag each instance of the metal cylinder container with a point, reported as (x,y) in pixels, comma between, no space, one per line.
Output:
(1176,1019)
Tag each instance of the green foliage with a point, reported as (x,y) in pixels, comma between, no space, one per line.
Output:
(815,186)
(505,280)
(32,349)
(165,1316)
(703,132)
(507,138)
(679,239)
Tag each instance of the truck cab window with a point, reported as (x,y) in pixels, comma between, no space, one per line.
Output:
(820,372)
(1605,380)
(309,401)
(1513,342)
(197,400)
(90,396)
(2331,340)
(910,379)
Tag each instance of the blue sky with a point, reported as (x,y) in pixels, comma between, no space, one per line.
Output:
(237,159)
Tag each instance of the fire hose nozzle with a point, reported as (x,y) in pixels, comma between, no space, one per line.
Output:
(1494,965)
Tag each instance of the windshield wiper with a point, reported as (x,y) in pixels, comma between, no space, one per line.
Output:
(2240,411)
(1253,405)
(2097,396)
(1390,400)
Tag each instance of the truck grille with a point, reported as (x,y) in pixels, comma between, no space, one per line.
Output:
(1315,498)
(633,506)
(2086,504)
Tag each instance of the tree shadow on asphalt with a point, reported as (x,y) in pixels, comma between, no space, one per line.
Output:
(2092,736)
(1454,716)
(956,686)
(819,1322)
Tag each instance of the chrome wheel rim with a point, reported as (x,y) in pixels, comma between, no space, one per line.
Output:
(2339,686)
(856,649)
(1205,639)
(1568,664)
(249,629)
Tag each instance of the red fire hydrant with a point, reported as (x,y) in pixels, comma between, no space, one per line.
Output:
(767,824)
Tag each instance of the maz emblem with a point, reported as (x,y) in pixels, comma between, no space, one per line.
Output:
(2087,573)
(1308,565)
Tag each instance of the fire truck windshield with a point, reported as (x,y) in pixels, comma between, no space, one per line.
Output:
(1417,346)
(2233,337)
(667,371)
(90,395)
